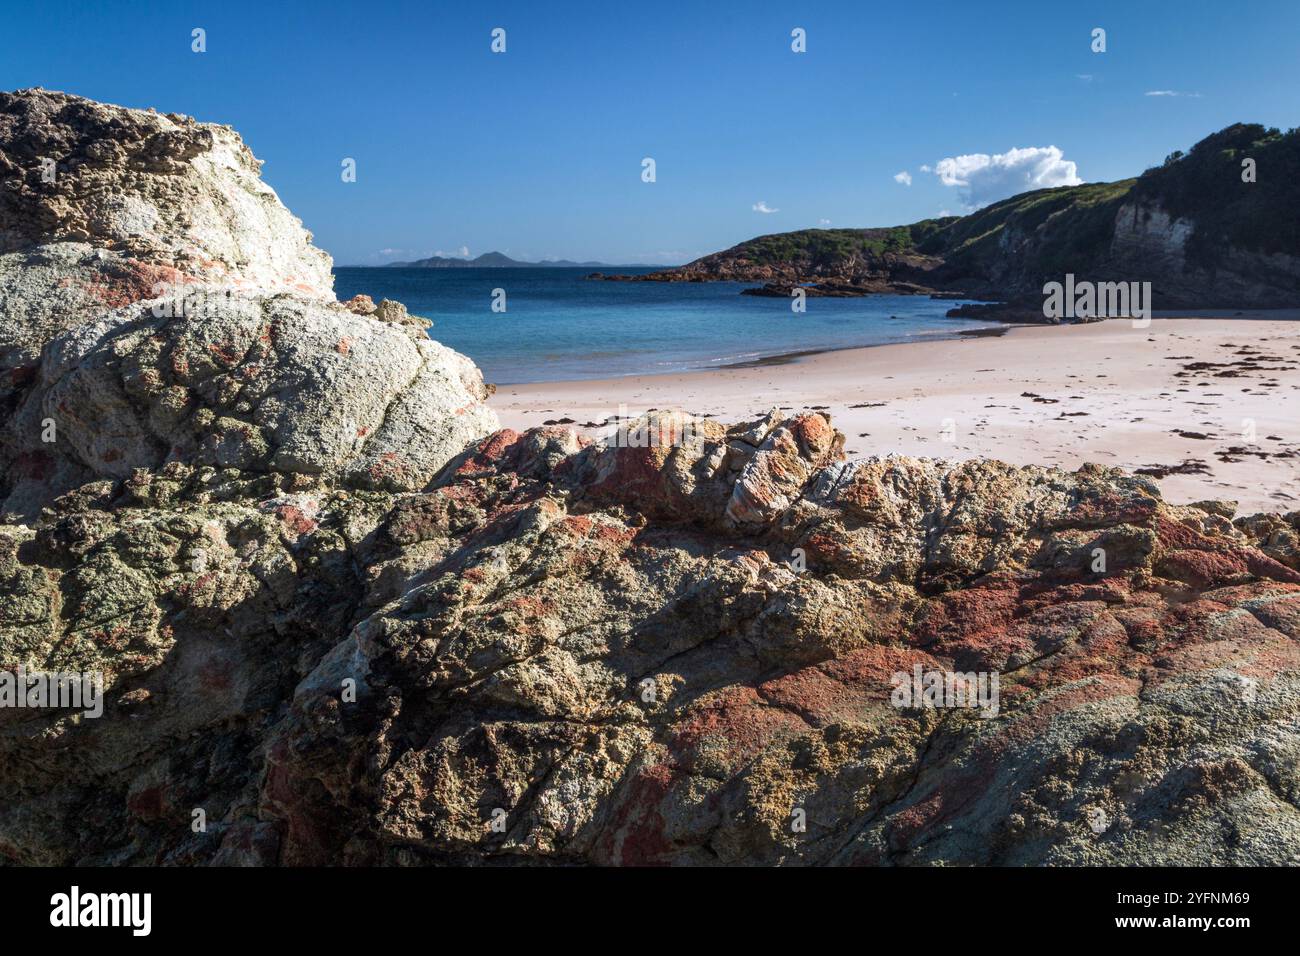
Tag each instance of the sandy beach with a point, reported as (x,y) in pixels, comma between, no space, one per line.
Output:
(1208,404)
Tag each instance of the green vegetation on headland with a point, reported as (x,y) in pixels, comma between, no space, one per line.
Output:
(820,247)
(1075,223)
(1206,187)
(1197,227)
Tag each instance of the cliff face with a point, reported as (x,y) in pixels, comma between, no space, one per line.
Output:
(341,614)
(1236,278)
(1123,232)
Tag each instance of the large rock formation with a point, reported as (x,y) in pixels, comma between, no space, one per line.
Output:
(102,206)
(350,622)
(158,303)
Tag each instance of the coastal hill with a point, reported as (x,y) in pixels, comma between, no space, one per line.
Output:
(336,608)
(1192,227)
(499,260)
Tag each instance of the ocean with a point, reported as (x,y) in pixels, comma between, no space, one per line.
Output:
(559,325)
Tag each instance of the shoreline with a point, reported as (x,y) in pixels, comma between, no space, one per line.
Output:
(994,330)
(1180,394)
(793,358)
(989,331)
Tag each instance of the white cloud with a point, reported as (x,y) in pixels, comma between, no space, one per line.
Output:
(904,177)
(981,179)
(823,222)
(926,168)
(1171,93)
(763,207)
(1086,77)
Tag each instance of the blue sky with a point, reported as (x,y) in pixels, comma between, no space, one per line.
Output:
(537,152)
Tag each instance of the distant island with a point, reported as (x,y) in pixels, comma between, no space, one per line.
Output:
(499,260)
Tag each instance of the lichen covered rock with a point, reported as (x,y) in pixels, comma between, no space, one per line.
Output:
(259,384)
(520,664)
(148,188)
(158,303)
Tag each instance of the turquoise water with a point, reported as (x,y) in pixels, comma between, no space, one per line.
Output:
(560,325)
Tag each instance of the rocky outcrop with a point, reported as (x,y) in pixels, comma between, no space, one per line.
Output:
(342,619)
(103,206)
(616,688)
(568,653)
(854,285)
(158,303)
(825,262)
(148,188)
